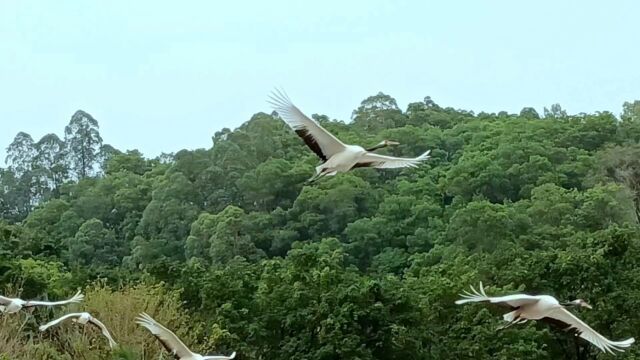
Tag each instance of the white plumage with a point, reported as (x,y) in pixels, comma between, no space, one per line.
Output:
(172,343)
(82,318)
(335,155)
(13,305)
(546,308)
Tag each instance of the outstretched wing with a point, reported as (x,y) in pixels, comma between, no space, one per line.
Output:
(58,320)
(587,333)
(370,159)
(514,301)
(78,297)
(317,138)
(95,322)
(4,301)
(168,339)
(220,357)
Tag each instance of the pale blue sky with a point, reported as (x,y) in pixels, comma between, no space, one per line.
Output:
(162,76)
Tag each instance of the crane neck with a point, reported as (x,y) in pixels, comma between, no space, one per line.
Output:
(379,146)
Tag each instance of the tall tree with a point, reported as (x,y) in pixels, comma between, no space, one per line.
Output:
(556,111)
(49,162)
(20,154)
(107,152)
(630,127)
(14,197)
(378,112)
(631,111)
(26,187)
(84,143)
(529,113)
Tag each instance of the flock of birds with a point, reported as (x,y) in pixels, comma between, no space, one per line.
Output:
(170,341)
(338,157)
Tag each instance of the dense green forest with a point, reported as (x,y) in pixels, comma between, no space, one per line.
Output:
(229,246)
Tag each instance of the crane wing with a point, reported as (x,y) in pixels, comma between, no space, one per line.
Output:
(5,300)
(78,297)
(104,330)
(317,138)
(370,159)
(220,357)
(169,340)
(514,301)
(588,333)
(58,320)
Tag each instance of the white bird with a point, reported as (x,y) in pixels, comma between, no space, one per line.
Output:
(13,305)
(172,343)
(82,318)
(546,308)
(335,155)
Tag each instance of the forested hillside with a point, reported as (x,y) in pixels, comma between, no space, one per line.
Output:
(230,246)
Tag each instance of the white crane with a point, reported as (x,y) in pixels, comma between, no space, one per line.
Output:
(335,155)
(546,308)
(13,305)
(172,343)
(82,318)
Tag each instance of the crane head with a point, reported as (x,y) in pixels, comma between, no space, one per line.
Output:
(579,303)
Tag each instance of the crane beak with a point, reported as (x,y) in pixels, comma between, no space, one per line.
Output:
(391,143)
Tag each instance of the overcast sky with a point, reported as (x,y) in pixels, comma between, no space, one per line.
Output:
(163,76)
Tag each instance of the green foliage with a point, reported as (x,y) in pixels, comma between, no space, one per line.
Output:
(231,249)
(37,277)
(95,245)
(132,161)
(220,238)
